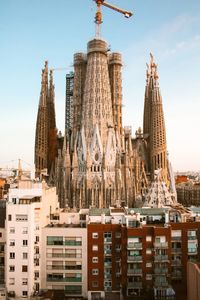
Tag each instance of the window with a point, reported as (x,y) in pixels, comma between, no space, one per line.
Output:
(95,260)
(9,217)
(148,265)
(25,255)
(95,284)
(36,275)
(148,277)
(11,281)
(95,271)
(11,268)
(12,230)
(176,233)
(12,255)
(0,234)
(148,251)
(21,218)
(24,281)
(24,268)
(25,230)
(148,238)
(24,293)
(95,235)
(25,242)
(117,235)
(12,242)
(95,247)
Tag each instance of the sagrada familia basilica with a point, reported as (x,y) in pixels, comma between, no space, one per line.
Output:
(98,163)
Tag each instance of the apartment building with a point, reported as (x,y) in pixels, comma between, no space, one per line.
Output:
(140,252)
(64,257)
(28,211)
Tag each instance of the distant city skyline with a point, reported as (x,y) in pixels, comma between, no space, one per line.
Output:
(32,32)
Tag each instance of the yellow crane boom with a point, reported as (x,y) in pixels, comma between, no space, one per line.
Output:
(98,17)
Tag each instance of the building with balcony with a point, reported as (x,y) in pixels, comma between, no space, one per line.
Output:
(28,210)
(64,259)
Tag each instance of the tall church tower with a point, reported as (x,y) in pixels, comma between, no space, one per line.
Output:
(154,125)
(96,142)
(46,132)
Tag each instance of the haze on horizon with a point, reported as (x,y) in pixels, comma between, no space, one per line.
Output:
(32,32)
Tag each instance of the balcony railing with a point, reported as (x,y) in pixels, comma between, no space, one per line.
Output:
(161,284)
(134,271)
(107,252)
(176,262)
(176,239)
(63,255)
(108,240)
(135,258)
(160,271)
(135,284)
(161,258)
(161,245)
(176,250)
(64,279)
(64,243)
(67,267)
(134,246)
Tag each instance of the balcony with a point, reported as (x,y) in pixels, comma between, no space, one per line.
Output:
(135,284)
(108,264)
(176,250)
(63,255)
(176,262)
(161,245)
(192,238)
(134,258)
(64,279)
(176,239)
(176,275)
(134,272)
(73,243)
(160,271)
(108,240)
(161,258)
(192,251)
(161,284)
(107,252)
(134,246)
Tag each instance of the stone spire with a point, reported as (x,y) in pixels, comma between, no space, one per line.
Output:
(46,132)
(95,147)
(52,130)
(154,124)
(41,137)
(97,103)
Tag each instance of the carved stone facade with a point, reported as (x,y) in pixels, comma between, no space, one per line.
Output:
(100,163)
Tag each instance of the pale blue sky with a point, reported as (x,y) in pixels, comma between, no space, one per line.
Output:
(32,31)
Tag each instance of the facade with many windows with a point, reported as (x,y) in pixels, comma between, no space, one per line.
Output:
(64,257)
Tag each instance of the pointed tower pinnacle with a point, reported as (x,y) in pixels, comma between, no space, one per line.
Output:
(41,137)
(154,124)
(46,132)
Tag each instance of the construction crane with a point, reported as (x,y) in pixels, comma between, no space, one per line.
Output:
(98,17)
(60,69)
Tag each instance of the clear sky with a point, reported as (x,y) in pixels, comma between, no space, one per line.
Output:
(37,30)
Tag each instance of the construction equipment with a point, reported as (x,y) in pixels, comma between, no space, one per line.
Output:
(98,17)
(60,69)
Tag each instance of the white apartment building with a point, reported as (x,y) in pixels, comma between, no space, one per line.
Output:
(2,264)
(28,210)
(64,257)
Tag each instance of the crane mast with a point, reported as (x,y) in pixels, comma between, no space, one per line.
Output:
(98,16)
